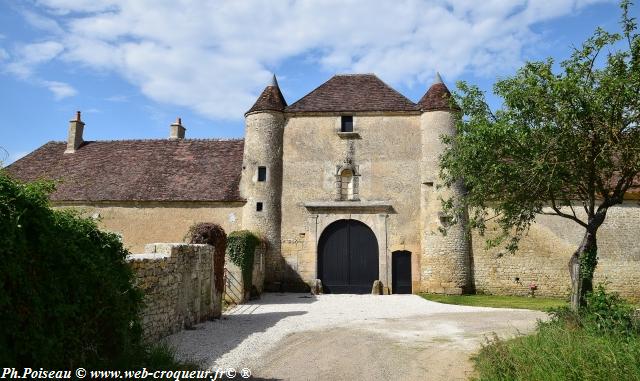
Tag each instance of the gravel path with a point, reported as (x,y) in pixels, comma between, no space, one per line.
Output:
(297,336)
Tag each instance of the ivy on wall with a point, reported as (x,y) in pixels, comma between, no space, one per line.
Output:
(241,246)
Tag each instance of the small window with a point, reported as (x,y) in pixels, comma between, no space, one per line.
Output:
(346,124)
(262,173)
(258,207)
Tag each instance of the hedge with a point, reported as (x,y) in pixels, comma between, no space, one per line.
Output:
(66,295)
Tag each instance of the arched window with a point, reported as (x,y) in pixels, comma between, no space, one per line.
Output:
(346,185)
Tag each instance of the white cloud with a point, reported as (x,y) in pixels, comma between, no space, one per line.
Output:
(3,54)
(41,22)
(28,56)
(214,57)
(60,90)
(26,60)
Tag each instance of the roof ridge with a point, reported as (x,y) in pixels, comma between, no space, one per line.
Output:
(362,92)
(396,91)
(163,140)
(353,75)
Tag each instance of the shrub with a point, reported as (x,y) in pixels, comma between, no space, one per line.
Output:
(600,342)
(214,235)
(241,247)
(607,312)
(66,293)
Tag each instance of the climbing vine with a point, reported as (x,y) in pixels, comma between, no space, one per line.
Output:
(241,246)
(588,263)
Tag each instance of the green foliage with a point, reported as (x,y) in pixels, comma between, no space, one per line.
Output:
(568,139)
(603,313)
(566,144)
(66,297)
(498,301)
(214,235)
(600,342)
(241,246)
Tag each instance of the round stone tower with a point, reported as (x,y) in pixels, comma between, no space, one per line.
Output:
(261,182)
(445,264)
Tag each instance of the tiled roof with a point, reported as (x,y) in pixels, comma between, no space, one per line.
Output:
(353,93)
(437,98)
(138,170)
(270,99)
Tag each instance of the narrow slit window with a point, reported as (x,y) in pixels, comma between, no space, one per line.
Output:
(262,173)
(346,124)
(259,207)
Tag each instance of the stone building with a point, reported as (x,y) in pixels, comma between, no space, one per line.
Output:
(343,186)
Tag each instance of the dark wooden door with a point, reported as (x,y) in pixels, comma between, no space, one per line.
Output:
(401,272)
(347,258)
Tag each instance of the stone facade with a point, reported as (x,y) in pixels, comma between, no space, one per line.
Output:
(178,285)
(262,212)
(543,257)
(139,223)
(385,154)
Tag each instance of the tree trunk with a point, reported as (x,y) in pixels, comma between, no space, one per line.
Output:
(581,267)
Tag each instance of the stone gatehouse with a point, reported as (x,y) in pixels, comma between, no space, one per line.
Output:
(342,184)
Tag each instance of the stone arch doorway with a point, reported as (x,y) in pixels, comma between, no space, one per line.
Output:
(347,258)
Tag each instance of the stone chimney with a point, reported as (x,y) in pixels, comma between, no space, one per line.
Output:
(177,130)
(74,140)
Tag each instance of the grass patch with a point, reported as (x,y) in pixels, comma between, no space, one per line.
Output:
(599,342)
(537,303)
(559,352)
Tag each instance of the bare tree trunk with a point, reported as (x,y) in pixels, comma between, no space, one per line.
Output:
(581,268)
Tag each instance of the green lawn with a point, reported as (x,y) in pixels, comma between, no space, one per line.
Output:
(536,303)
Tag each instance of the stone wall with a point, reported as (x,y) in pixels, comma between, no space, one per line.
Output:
(139,223)
(385,150)
(178,286)
(544,254)
(235,291)
(263,147)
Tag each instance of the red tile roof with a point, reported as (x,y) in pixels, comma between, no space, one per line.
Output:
(270,99)
(138,170)
(353,93)
(437,98)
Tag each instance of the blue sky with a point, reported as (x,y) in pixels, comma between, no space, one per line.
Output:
(132,67)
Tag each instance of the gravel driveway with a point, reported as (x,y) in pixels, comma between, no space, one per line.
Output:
(359,337)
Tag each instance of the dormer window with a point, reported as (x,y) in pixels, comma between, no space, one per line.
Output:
(346,123)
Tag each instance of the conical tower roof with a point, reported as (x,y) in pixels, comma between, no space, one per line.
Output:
(270,99)
(437,98)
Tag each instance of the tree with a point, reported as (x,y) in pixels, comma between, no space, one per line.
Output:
(566,144)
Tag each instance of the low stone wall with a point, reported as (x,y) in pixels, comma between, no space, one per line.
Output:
(178,286)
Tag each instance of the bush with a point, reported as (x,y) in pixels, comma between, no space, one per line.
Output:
(66,297)
(214,235)
(241,247)
(600,342)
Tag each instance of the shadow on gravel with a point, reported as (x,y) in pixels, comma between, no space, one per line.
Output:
(284,298)
(211,340)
